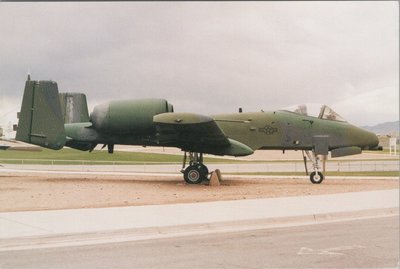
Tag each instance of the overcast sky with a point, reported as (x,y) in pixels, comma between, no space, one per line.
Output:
(208,57)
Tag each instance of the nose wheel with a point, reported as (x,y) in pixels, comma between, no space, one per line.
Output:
(196,172)
(316,177)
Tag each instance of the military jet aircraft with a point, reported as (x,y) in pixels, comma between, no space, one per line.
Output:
(53,120)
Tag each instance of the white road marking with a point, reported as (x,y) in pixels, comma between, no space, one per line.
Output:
(327,251)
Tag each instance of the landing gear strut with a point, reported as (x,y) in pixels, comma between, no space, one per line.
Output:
(316,177)
(196,172)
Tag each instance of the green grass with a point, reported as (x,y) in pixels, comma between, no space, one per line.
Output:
(70,156)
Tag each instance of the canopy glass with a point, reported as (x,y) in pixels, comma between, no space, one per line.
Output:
(316,110)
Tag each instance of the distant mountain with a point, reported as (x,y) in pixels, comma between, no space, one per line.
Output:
(385,128)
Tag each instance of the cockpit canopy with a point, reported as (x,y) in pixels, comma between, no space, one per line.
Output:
(316,110)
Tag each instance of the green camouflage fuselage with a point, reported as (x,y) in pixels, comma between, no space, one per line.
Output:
(258,130)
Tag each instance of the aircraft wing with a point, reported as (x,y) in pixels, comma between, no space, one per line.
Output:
(196,133)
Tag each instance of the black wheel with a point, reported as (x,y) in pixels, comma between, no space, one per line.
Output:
(316,178)
(193,174)
(204,170)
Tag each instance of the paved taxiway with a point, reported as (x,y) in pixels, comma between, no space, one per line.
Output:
(367,243)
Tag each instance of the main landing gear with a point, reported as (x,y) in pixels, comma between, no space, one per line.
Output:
(196,172)
(316,177)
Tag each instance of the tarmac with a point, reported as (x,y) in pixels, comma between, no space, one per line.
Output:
(74,227)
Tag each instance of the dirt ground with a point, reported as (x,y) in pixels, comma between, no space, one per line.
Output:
(23,192)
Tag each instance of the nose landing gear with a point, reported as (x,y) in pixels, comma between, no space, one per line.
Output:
(316,177)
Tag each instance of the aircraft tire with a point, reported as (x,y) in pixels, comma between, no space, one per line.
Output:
(316,178)
(194,174)
(204,170)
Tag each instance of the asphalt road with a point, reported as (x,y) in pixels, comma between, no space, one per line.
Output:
(368,243)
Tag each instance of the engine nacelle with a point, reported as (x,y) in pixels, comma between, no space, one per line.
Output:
(128,116)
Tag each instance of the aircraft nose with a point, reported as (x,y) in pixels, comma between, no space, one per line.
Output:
(371,141)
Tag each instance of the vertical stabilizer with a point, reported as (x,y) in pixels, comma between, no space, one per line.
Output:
(74,107)
(40,120)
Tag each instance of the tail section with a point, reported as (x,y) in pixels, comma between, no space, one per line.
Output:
(74,107)
(41,121)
